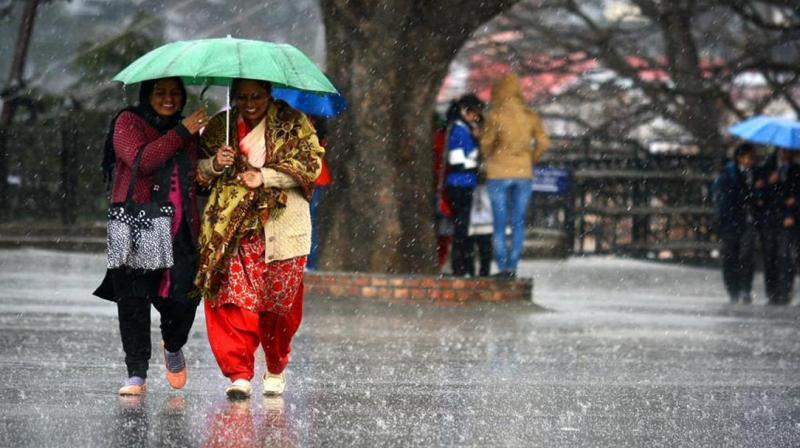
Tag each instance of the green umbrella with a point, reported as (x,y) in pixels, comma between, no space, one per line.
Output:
(218,61)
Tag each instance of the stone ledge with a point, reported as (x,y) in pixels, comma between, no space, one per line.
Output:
(417,287)
(66,243)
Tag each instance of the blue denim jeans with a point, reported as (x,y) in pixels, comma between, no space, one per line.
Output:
(509,199)
(311,261)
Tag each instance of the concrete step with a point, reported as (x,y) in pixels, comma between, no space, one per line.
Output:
(66,243)
(544,243)
(47,229)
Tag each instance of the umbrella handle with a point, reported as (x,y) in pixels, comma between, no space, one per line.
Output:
(228,117)
(228,125)
(228,113)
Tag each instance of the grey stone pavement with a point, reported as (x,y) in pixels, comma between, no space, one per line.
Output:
(615,353)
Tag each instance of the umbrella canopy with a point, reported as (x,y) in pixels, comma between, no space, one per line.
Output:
(772,131)
(315,104)
(218,61)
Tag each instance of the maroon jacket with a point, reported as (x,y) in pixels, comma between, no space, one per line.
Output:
(132,132)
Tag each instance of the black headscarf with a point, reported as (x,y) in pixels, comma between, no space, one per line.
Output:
(144,110)
(472,102)
(452,113)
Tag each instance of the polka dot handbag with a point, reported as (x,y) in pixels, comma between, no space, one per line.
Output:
(139,234)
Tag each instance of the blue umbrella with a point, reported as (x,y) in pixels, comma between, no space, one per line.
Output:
(316,104)
(769,131)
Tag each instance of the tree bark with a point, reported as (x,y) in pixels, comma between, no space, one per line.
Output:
(388,59)
(700,111)
(9,93)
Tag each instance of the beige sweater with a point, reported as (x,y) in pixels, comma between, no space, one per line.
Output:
(288,234)
(507,134)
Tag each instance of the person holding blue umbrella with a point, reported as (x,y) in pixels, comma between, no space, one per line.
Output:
(776,219)
(322,183)
(777,194)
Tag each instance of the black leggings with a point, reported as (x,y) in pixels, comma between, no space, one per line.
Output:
(135,294)
(484,244)
(177,317)
(778,247)
(461,258)
(738,262)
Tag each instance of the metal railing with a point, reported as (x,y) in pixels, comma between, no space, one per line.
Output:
(625,201)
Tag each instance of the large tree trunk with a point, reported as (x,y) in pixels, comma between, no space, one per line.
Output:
(695,100)
(9,93)
(388,59)
(700,112)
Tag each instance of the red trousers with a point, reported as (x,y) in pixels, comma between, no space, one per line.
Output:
(235,333)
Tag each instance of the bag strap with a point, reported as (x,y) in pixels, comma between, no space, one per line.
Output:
(160,190)
(134,174)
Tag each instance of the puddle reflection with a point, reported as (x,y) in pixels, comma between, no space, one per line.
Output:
(232,426)
(131,423)
(256,422)
(275,427)
(173,423)
(237,424)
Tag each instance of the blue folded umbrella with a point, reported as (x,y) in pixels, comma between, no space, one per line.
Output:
(772,131)
(316,104)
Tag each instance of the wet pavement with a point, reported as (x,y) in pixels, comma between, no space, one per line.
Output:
(615,353)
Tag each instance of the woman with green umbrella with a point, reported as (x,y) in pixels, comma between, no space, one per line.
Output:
(166,145)
(262,158)
(255,232)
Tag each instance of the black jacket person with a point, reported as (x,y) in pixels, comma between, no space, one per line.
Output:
(735,200)
(777,182)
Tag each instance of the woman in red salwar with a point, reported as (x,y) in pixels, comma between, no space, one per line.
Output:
(255,232)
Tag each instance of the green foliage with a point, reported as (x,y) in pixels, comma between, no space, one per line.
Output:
(55,155)
(99,62)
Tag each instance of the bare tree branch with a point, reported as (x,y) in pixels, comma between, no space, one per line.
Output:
(682,60)
(747,11)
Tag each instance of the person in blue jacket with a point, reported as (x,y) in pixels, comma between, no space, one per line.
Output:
(735,200)
(462,178)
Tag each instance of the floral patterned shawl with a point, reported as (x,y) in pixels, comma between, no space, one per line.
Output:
(288,145)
